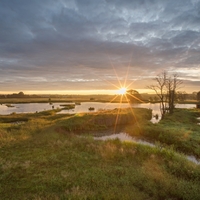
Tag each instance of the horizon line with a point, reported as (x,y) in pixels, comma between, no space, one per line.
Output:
(70,92)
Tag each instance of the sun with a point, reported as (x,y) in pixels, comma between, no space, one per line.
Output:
(122,91)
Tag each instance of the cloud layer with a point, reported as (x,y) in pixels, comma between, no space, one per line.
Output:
(87,44)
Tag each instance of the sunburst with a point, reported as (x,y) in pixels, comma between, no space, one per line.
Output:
(122,91)
(122,87)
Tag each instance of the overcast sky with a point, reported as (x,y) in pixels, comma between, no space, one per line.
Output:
(90,44)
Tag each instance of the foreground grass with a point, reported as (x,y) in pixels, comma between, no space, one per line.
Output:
(39,162)
(179,130)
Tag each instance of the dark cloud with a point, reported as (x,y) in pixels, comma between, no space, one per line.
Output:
(69,44)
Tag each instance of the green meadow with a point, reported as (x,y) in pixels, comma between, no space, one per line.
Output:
(179,131)
(46,156)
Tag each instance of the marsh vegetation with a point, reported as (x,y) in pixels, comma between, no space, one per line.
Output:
(44,157)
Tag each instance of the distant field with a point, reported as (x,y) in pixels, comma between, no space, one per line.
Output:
(81,98)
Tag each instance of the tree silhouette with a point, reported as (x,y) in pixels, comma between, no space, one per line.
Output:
(134,96)
(160,90)
(166,88)
(198,96)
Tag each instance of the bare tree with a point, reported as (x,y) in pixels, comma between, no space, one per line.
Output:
(172,84)
(165,89)
(181,96)
(198,96)
(161,92)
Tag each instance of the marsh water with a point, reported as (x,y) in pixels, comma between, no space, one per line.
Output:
(122,136)
(26,108)
(38,107)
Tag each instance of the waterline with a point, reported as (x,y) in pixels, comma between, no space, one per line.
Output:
(122,136)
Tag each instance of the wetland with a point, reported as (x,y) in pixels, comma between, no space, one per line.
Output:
(46,155)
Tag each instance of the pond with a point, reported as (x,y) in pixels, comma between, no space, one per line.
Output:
(26,108)
(122,136)
(38,107)
(155,107)
(84,107)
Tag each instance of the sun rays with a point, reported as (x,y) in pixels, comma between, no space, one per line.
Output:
(122,91)
(122,86)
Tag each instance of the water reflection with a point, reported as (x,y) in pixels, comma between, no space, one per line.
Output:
(38,107)
(155,107)
(198,118)
(84,107)
(125,137)
(27,108)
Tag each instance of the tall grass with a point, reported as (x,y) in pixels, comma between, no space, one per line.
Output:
(179,130)
(52,164)
(79,168)
(104,119)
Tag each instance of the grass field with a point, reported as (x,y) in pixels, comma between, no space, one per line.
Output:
(179,131)
(42,156)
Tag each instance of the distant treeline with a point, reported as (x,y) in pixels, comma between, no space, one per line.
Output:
(180,96)
(19,95)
